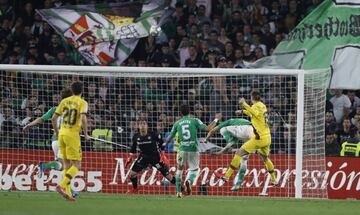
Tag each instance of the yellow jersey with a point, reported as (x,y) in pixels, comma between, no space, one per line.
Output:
(70,109)
(258,116)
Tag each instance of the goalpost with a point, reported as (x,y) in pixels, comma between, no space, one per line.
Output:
(119,96)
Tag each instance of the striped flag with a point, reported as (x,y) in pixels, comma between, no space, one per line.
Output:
(105,34)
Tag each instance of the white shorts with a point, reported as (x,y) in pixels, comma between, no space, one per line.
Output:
(56,150)
(242,132)
(192,159)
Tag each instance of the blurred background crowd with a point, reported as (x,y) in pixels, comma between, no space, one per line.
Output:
(202,33)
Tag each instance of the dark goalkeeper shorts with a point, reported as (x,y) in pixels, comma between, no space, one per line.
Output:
(143,162)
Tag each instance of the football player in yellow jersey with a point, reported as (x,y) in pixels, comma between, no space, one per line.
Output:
(260,141)
(73,111)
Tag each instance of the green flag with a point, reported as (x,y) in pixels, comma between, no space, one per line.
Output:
(328,37)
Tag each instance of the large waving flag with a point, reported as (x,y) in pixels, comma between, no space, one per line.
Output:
(105,34)
(329,37)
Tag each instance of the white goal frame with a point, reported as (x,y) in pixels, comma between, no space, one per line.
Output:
(158,71)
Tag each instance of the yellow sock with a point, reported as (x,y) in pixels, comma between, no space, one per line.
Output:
(70,173)
(68,190)
(270,168)
(235,163)
(63,173)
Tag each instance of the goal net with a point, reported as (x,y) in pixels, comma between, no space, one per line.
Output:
(118,98)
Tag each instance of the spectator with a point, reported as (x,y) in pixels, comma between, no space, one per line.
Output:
(104,132)
(53,48)
(356,122)
(346,131)
(214,42)
(267,37)
(330,122)
(179,15)
(235,24)
(223,37)
(210,60)
(219,100)
(194,60)
(238,58)
(180,33)
(278,39)
(293,9)
(256,44)
(184,52)
(355,115)
(248,55)
(61,58)
(274,13)
(341,104)
(332,146)
(28,14)
(217,24)
(257,10)
(201,14)
(204,50)
(259,53)
(129,90)
(239,40)
(38,27)
(194,36)
(104,91)
(355,101)
(152,92)
(247,33)
(100,107)
(205,31)
(229,51)
(165,54)
(91,93)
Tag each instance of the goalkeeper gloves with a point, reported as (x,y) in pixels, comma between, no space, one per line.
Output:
(164,159)
(129,159)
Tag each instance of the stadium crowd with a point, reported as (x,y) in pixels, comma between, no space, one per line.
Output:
(211,34)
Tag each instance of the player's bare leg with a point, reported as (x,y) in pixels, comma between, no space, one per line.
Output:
(230,140)
(170,178)
(134,180)
(70,173)
(244,155)
(270,168)
(233,166)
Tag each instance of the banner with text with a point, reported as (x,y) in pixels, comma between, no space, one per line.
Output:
(106,172)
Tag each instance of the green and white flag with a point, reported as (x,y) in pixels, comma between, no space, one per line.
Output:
(105,34)
(328,37)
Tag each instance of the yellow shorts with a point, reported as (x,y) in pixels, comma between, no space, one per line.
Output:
(70,147)
(262,145)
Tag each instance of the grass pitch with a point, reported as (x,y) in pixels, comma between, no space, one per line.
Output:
(38,203)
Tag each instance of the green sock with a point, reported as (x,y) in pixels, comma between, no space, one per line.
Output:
(178,184)
(192,176)
(53,165)
(241,174)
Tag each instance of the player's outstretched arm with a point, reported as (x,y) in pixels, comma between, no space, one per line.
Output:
(211,133)
(251,112)
(212,125)
(168,140)
(34,123)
